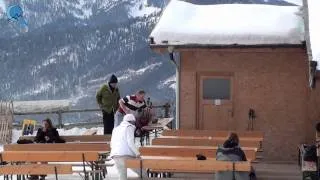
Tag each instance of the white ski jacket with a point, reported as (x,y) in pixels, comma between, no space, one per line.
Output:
(122,140)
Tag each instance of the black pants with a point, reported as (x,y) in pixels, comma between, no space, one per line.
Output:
(108,122)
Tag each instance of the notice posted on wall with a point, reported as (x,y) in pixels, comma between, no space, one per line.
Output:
(217,102)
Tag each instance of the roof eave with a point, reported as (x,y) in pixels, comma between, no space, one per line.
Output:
(161,47)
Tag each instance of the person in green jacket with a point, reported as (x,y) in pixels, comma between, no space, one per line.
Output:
(107,98)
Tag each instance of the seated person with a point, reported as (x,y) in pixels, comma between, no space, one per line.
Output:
(231,151)
(122,144)
(48,133)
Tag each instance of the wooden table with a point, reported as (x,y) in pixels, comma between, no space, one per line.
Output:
(160,125)
(154,127)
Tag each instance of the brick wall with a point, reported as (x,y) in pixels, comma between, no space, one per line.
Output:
(274,82)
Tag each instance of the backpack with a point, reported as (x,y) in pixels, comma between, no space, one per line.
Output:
(24,141)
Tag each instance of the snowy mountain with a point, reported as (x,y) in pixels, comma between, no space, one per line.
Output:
(73,46)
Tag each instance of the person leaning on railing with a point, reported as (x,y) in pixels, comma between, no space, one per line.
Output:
(130,105)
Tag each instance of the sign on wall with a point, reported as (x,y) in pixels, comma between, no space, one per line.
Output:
(28,127)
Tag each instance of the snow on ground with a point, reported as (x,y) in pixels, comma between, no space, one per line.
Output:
(187,23)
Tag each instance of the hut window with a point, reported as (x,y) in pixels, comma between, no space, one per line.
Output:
(216,89)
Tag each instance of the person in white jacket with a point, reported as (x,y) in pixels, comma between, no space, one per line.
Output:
(122,144)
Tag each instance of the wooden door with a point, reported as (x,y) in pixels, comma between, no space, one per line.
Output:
(215,101)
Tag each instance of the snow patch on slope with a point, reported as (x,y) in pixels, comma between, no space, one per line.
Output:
(130,73)
(170,82)
(141,9)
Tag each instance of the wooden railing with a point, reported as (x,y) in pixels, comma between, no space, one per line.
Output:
(166,107)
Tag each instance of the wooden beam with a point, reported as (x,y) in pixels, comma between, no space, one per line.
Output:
(263,48)
(34,169)
(199,142)
(215,138)
(49,156)
(211,133)
(90,138)
(187,165)
(101,147)
(84,138)
(135,162)
(189,151)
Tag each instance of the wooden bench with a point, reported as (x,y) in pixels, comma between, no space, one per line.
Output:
(49,156)
(100,147)
(34,169)
(219,139)
(83,138)
(186,165)
(17,157)
(243,135)
(199,142)
(190,151)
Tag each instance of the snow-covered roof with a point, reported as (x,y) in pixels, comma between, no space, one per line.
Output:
(184,23)
(297,2)
(314,29)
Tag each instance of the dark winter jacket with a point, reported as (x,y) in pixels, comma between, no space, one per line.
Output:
(231,154)
(52,134)
(234,153)
(108,99)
